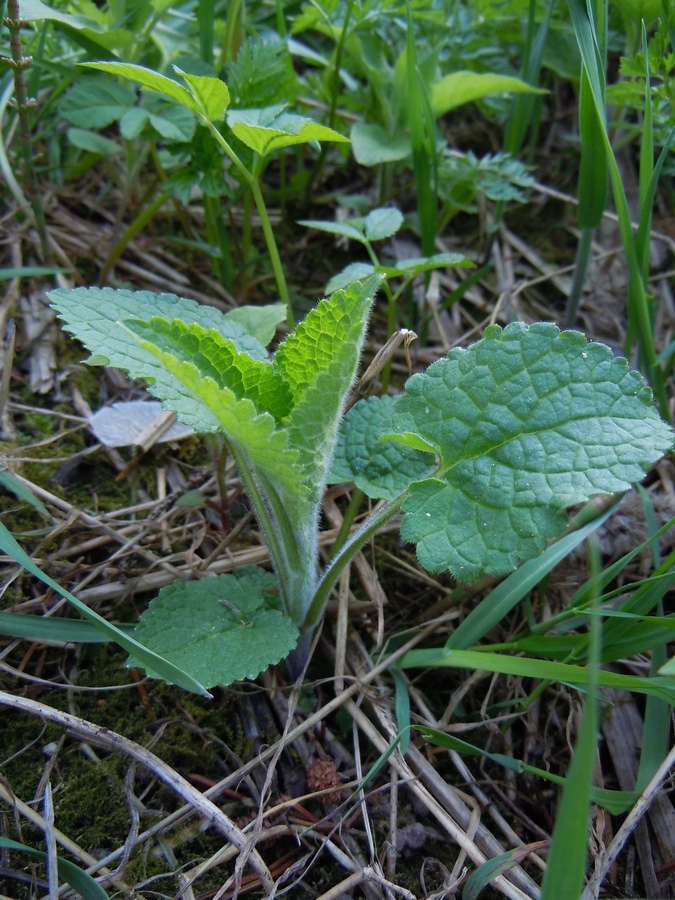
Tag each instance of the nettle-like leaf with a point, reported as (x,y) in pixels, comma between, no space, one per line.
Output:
(218,359)
(262,73)
(382,470)
(319,363)
(94,317)
(271,128)
(351,273)
(526,423)
(212,388)
(219,630)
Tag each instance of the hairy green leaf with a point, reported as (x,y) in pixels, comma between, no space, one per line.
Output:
(94,317)
(218,359)
(382,470)
(319,362)
(193,387)
(269,129)
(526,422)
(220,629)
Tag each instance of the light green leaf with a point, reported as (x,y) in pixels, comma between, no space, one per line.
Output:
(382,470)
(383,223)
(189,381)
(217,359)
(94,102)
(373,145)
(150,80)
(526,422)
(459,88)
(344,229)
(86,886)
(210,94)
(259,321)
(351,273)
(319,363)
(94,317)
(36,10)
(11,483)
(269,129)
(408,267)
(93,142)
(220,629)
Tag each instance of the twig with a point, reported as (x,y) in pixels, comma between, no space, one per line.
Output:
(50,844)
(610,855)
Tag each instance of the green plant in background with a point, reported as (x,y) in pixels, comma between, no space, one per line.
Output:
(263,131)
(407,91)
(482,453)
(589,24)
(379,225)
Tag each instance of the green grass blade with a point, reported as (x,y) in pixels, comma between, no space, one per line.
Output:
(11,483)
(80,881)
(639,316)
(402,706)
(564,876)
(565,673)
(523,115)
(50,628)
(646,169)
(511,591)
(422,127)
(167,671)
(205,19)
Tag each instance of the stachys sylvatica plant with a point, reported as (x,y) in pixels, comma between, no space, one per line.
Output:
(482,453)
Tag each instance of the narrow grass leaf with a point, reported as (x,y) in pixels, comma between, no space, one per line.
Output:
(149,659)
(496,866)
(50,628)
(536,668)
(615,802)
(15,486)
(511,591)
(79,880)
(401,706)
(566,865)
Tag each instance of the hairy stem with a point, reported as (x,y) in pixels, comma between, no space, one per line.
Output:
(19,63)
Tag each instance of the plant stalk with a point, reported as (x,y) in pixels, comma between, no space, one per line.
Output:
(19,63)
